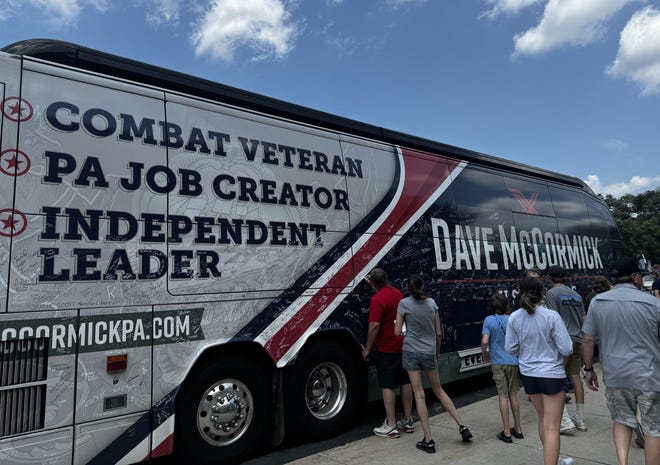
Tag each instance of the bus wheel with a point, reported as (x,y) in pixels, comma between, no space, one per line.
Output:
(321,390)
(223,412)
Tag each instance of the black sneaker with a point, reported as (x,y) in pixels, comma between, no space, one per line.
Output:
(426,446)
(517,435)
(465,433)
(504,438)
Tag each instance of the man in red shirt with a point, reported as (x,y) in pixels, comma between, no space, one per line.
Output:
(389,370)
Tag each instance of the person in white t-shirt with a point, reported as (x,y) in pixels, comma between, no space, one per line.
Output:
(539,338)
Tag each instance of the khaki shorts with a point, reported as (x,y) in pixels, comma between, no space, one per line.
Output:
(507,378)
(573,362)
(623,403)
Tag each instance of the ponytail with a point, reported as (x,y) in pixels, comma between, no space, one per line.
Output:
(416,287)
(531,294)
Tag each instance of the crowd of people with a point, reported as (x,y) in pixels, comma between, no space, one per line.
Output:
(545,344)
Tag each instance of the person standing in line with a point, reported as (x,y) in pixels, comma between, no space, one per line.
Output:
(600,284)
(539,338)
(532,272)
(568,304)
(389,370)
(655,287)
(420,353)
(503,365)
(626,323)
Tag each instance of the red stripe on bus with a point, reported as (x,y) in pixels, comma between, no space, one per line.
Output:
(164,448)
(423,176)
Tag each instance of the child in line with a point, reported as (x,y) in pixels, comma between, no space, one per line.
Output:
(503,365)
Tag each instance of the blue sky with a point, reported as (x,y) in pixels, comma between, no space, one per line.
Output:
(568,85)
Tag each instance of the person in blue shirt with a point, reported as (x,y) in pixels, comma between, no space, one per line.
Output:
(503,365)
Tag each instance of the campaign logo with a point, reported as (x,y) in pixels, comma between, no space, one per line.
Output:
(528,204)
(16,109)
(14,162)
(12,222)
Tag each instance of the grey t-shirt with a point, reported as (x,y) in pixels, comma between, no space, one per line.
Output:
(568,304)
(626,322)
(420,325)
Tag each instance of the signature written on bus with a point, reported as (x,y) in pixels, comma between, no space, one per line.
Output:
(91,333)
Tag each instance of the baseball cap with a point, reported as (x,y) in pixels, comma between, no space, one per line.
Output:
(556,270)
(624,267)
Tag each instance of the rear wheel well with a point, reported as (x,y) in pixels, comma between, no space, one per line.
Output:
(225,406)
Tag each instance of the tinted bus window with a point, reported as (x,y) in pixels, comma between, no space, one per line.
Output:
(530,197)
(601,220)
(569,204)
(478,188)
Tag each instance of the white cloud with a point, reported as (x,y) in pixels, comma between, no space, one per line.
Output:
(568,23)
(402,3)
(507,7)
(62,12)
(8,9)
(164,12)
(261,25)
(344,45)
(615,145)
(636,185)
(638,58)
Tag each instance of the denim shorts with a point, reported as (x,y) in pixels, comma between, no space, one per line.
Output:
(623,403)
(547,386)
(413,361)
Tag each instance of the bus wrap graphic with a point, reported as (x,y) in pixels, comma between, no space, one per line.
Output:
(95,333)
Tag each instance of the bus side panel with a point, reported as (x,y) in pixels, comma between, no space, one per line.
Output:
(107,386)
(476,239)
(282,183)
(51,447)
(38,365)
(83,197)
(13,164)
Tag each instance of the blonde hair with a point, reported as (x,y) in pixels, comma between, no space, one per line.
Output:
(531,294)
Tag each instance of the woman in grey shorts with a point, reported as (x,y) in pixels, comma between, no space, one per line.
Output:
(420,348)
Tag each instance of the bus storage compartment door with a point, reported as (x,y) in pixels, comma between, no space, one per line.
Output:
(127,437)
(114,362)
(53,447)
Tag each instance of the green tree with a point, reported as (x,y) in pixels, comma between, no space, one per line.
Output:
(638,219)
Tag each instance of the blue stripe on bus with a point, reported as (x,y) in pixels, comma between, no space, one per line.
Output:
(140,430)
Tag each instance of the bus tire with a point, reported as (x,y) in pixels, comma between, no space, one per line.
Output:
(223,412)
(321,390)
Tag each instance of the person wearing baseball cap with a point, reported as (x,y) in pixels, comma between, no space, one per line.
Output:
(626,322)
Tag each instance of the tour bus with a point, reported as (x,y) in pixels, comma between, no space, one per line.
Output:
(182,262)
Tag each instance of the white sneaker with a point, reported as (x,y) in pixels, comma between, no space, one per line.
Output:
(580,425)
(567,426)
(387,431)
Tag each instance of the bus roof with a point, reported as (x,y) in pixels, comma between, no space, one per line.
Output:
(77,56)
